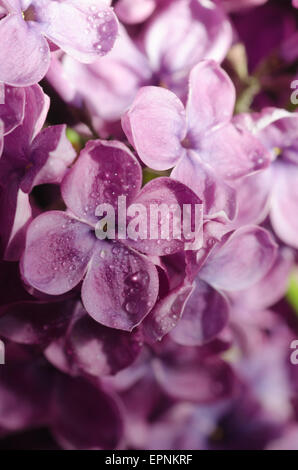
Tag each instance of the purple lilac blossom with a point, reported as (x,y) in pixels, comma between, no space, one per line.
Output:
(84,29)
(163,55)
(278,130)
(69,249)
(31,156)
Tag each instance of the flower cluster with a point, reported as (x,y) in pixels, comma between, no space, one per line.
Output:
(148,235)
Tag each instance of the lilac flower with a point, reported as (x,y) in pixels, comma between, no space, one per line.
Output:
(34,394)
(84,29)
(261,395)
(31,156)
(164,54)
(120,285)
(277,129)
(198,309)
(137,11)
(237,423)
(60,327)
(27,319)
(92,350)
(202,144)
(270,289)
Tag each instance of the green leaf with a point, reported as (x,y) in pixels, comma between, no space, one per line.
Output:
(75,138)
(149,174)
(292,293)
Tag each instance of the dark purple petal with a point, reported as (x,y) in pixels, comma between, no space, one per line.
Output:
(34,322)
(120,287)
(104,171)
(166,313)
(15,214)
(17,143)
(85,416)
(12,109)
(161,238)
(25,395)
(99,351)
(58,249)
(57,355)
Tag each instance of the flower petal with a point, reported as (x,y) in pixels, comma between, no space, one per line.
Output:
(35,322)
(271,288)
(98,350)
(253,198)
(166,313)
(79,406)
(186,375)
(58,249)
(104,171)
(15,214)
(233,152)
(134,12)
(240,260)
(219,198)
(172,198)
(51,154)
(120,287)
(155,125)
(13,108)
(24,54)
(211,98)
(184,33)
(204,316)
(85,30)
(25,395)
(17,143)
(284,201)
(110,84)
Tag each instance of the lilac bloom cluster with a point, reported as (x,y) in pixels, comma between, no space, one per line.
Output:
(122,123)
